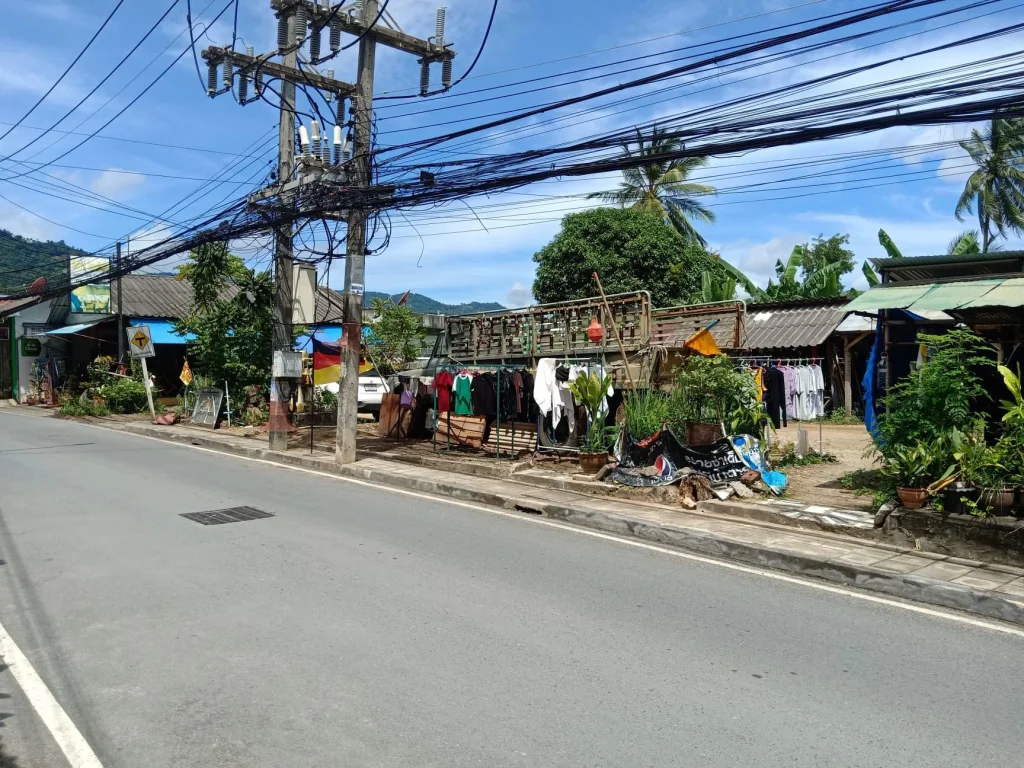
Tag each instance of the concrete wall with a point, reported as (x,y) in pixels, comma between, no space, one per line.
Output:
(39,314)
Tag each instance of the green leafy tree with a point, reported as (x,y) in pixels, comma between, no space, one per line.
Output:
(223,264)
(662,186)
(995,191)
(942,395)
(825,262)
(631,250)
(395,336)
(233,338)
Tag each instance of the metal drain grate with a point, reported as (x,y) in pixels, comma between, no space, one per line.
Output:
(222,516)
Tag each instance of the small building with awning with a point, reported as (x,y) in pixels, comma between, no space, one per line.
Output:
(984,292)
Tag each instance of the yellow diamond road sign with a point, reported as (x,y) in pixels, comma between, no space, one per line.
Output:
(140,341)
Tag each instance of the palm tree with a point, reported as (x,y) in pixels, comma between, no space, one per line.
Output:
(661,185)
(996,188)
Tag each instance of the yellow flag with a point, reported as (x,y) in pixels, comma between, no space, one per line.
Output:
(186,374)
(703,343)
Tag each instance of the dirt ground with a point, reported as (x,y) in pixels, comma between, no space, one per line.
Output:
(816,484)
(819,483)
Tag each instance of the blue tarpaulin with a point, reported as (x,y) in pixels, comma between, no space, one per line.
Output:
(871,380)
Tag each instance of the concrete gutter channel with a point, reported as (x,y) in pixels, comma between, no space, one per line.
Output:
(731,530)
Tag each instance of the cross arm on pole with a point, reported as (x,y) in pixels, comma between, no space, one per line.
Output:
(246,64)
(350,23)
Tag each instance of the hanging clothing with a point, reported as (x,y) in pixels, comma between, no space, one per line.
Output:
(463,394)
(443,387)
(483,392)
(758,374)
(817,391)
(507,395)
(789,374)
(775,395)
(545,388)
(527,406)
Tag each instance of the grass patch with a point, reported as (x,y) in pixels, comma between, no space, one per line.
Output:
(839,417)
(786,456)
(869,482)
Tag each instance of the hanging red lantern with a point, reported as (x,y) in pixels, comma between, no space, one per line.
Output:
(595,331)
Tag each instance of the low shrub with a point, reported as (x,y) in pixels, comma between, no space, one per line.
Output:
(125,396)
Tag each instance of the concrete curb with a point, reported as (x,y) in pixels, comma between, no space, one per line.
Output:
(906,586)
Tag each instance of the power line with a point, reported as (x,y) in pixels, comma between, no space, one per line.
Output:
(101,82)
(64,74)
(123,109)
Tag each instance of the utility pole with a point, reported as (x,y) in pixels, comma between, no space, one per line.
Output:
(355,252)
(430,50)
(301,22)
(280,386)
(120,316)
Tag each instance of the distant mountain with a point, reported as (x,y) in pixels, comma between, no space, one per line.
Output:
(22,260)
(424,305)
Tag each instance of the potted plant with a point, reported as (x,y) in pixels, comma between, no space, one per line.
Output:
(590,391)
(911,468)
(707,391)
(996,494)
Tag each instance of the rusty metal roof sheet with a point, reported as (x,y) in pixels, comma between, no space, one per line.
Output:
(7,306)
(791,328)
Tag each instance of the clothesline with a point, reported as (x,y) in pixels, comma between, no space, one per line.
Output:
(780,360)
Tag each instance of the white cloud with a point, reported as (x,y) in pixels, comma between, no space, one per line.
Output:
(114,181)
(22,223)
(519,295)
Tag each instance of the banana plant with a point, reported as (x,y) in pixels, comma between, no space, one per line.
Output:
(1014,408)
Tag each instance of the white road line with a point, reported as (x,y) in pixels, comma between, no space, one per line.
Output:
(74,746)
(920,609)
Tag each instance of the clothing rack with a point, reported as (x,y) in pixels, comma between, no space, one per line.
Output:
(540,420)
(779,360)
(455,368)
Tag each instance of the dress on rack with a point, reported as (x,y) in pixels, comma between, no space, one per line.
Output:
(775,395)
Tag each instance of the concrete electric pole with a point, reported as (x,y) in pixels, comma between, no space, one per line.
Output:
(355,252)
(301,22)
(280,386)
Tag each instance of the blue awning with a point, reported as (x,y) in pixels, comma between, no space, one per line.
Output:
(162,331)
(77,328)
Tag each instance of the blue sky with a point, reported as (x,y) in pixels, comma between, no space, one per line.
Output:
(455,254)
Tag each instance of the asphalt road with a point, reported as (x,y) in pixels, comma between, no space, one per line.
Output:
(361,627)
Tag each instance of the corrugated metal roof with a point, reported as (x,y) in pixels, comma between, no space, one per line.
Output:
(1009,294)
(161,296)
(945,267)
(888,297)
(791,328)
(952,295)
(1000,292)
(166,297)
(7,306)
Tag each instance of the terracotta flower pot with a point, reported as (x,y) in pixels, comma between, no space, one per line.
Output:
(912,498)
(998,501)
(591,463)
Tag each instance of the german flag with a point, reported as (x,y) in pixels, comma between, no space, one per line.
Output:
(326,362)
